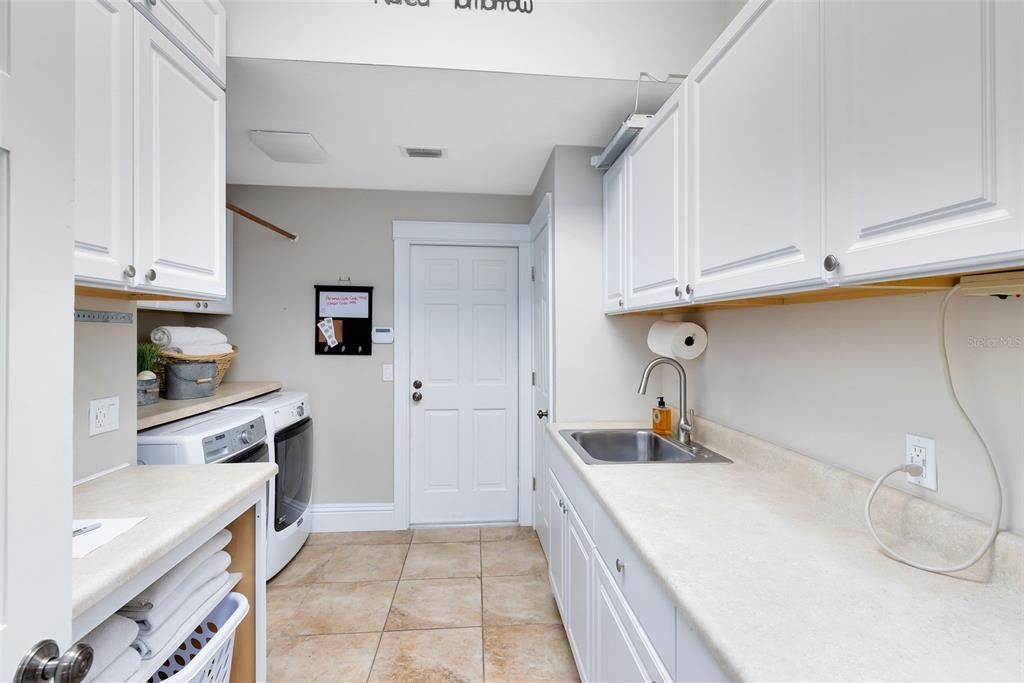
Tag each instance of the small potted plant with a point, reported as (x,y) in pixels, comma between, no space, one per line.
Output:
(146,382)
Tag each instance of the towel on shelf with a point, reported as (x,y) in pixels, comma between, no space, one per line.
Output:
(213,567)
(109,640)
(200,349)
(120,670)
(186,336)
(164,587)
(186,617)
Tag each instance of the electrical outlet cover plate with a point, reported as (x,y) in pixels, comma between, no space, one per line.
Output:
(103,415)
(921,451)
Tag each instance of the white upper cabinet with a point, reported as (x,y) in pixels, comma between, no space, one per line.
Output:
(615,237)
(198,27)
(103,140)
(179,172)
(755,155)
(655,231)
(924,136)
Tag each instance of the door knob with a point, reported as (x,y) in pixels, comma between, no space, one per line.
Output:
(541,414)
(416,384)
(416,397)
(44,663)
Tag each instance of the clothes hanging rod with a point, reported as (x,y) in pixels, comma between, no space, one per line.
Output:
(259,221)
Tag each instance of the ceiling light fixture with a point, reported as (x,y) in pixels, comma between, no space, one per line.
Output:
(290,147)
(629,128)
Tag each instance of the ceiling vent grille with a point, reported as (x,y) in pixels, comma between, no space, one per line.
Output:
(425,152)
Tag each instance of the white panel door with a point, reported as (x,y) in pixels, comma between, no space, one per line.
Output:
(198,26)
(103,141)
(615,658)
(179,170)
(578,554)
(756,191)
(925,136)
(541,296)
(36,293)
(655,267)
(464,349)
(615,237)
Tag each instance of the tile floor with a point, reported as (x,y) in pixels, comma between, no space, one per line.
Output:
(454,604)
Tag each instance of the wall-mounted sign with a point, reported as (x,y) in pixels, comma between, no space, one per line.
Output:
(523,6)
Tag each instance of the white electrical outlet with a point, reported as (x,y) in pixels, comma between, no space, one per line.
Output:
(103,415)
(921,451)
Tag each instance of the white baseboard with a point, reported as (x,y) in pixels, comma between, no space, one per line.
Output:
(331,517)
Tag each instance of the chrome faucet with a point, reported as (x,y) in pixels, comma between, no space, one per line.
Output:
(682,431)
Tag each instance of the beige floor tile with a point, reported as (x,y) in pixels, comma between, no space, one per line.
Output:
(450,534)
(513,558)
(435,603)
(360,538)
(304,567)
(282,607)
(506,533)
(442,561)
(364,563)
(519,600)
(323,659)
(441,656)
(343,608)
(528,653)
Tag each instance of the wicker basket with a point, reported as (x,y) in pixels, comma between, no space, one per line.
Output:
(223,361)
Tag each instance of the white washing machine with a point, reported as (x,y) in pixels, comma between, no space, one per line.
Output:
(207,439)
(290,438)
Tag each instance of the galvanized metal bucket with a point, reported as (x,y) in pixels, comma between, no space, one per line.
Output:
(147,391)
(189,380)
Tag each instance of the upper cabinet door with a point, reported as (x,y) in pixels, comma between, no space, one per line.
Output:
(924,136)
(198,27)
(655,234)
(179,170)
(103,141)
(755,180)
(614,237)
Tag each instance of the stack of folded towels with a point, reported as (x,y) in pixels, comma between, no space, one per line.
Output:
(191,341)
(163,614)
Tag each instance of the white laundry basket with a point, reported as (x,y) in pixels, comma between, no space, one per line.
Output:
(205,656)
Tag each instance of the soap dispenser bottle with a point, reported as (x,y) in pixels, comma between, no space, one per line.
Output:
(661,418)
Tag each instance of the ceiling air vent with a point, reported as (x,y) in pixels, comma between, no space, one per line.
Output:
(425,152)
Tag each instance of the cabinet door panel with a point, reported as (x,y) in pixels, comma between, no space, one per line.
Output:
(755,102)
(103,140)
(614,237)
(179,171)
(556,541)
(577,590)
(925,137)
(615,659)
(654,272)
(198,26)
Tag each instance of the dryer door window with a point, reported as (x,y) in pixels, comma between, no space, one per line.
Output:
(293,451)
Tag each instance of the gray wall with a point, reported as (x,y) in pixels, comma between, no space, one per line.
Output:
(343,233)
(845,381)
(598,359)
(104,366)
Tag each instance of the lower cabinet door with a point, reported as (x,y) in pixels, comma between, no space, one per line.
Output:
(578,570)
(615,658)
(556,541)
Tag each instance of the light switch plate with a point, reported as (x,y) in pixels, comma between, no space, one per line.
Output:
(921,451)
(103,415)
(388,372)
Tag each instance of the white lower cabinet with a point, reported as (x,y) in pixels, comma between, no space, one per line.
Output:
(615,657)
(556,540)
(577,594)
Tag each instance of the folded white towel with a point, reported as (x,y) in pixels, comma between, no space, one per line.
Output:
(186,617)
(200,349)
(185,336)
(109,640)
(120,670)
(213,567)
(164,587)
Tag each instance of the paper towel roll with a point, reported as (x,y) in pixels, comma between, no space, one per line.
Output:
(682,340)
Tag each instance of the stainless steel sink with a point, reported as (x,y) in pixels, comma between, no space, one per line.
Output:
(609,446)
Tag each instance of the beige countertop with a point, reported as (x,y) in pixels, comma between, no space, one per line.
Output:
(164,411)
(770,560)
(177,502)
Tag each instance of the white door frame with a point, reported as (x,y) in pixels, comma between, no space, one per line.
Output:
(408,234)
(545,217)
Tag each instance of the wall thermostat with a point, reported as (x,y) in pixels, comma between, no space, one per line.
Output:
(383,335)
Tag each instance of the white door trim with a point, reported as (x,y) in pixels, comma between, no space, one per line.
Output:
(544,216)
(414,233)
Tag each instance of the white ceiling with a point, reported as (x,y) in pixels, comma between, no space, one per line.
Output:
(499,128)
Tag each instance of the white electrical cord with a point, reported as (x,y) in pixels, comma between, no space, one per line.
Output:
(916,469)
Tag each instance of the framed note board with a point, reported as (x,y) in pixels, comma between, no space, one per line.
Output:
(343,320)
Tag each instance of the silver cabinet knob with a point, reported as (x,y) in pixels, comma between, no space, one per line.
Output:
(620,302)
(831,263)
(541,414)
(678,291)
(151,275)
(206,304)
(689,289)
(417,397)
(198,305)
(619,565)
(129,272)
